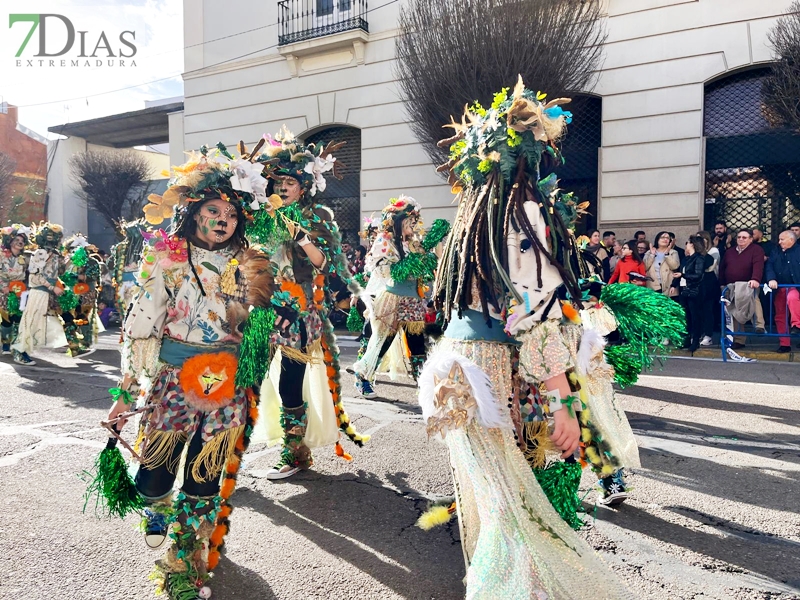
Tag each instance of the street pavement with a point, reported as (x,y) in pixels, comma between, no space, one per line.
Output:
(714,512)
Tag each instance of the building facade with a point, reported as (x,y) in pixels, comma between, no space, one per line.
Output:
(24,199)
(664,140)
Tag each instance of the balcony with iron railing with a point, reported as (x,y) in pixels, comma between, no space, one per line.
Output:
(301,20)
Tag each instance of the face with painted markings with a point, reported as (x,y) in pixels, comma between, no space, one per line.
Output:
(216,222)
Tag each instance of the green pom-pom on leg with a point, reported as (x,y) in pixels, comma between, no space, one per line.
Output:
(254,353)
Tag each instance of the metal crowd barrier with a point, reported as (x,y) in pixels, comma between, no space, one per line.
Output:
(771,329)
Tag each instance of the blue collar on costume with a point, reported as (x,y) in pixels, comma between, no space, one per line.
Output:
(472,327)
(175,352)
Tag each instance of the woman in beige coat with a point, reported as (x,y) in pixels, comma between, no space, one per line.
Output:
(661,261)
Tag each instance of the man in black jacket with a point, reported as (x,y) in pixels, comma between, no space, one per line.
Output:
(783,267)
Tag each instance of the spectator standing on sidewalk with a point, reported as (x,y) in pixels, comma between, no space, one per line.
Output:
(642,247)
(691,287)
(758,238)
(709,290)
(640,236)
(629,263)
(742,269)
(783,267)
(596,247)
(660,263)
(722,239)
(615,257)
(795,227)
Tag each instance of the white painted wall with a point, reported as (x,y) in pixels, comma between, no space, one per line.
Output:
(658,57)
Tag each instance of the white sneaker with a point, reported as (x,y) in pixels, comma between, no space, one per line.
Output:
(707,341)
(282,473)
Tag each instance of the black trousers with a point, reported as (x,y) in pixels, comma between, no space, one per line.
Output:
(293,372)
(695,318)
(157,483)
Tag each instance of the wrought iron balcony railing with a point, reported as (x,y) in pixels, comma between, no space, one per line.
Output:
(307,19)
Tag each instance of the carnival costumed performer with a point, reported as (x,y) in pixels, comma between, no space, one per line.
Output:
(82,278)
(302,404)
(13,276)
(399,264)
(40,324)
(192,340)
(504,280)
(124,264)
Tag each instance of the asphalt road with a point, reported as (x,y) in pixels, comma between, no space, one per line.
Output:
(714,512)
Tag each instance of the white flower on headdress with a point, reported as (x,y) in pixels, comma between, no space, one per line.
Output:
(247,178)
(79,242)
(316,167)
(25,230)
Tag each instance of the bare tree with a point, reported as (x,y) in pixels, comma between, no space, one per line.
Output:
(114,183)
(7,168)
(453,52)
(780,93)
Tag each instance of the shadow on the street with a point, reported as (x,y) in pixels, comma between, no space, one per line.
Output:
(748,485)
(783,415)
(232,580)
(372,528)
(749,549)
(718,437)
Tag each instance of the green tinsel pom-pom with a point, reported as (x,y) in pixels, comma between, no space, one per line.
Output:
(111,485)
(438,231)
(645,319)
(254,353)
(415,266)
(355,322)
(68,301)
(69,278)
(13,305)
(627,364)
(272,230)
(560,482)
(80,257)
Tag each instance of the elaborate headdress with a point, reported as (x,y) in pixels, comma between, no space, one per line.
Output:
(12,231)
(307,163)
(495,159)
(49,235)
(402,207)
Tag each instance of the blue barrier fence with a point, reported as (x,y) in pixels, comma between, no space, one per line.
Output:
(769,322)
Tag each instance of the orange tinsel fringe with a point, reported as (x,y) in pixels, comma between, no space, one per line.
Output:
(222,525)
(296,291)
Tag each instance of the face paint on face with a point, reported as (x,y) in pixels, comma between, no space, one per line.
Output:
(216,222)
(17,245)
(289,189)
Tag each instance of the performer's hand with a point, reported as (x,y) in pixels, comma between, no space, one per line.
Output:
(567,432)
(117,409)
(58,291)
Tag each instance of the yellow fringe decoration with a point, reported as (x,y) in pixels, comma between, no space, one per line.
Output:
(435,516)
(215,453)
(308,357)
(538,443)
(413,327)
(160,448)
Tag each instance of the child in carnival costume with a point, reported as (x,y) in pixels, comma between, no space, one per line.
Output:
(82,278)
(506,385)
(13,276)
(302,405)
(191,346)
(399,263)
(41,324)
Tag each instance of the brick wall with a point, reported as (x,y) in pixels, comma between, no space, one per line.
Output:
(24,201)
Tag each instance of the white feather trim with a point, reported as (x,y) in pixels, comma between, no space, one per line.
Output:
(439,363)
(592,344)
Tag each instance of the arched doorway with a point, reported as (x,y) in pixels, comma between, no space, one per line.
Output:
(343,197)
(752,175)
(580,148)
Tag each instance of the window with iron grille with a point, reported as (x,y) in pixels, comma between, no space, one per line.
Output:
(752,169)
(343,197)
(580,147)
